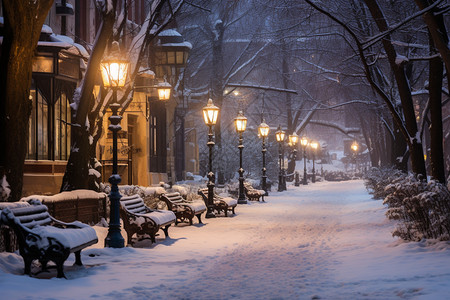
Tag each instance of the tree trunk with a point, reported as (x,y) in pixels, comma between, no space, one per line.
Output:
(415,145)
(218,87)
(436,135)
(77,170)
(23,21)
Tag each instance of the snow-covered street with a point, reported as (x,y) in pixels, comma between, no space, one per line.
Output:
(328,240)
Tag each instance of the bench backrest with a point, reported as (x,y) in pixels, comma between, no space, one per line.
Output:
(134,204)
(30,216)
(204,193)
(173,197)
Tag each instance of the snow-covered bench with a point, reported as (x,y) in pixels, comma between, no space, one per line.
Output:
(142,220)
(184,210)
(42,237)
(252,193)
(224,204)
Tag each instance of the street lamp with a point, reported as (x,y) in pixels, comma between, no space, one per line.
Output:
(355,148)
(279,134)
(164,89)
(264,132)
(210,114)
(293,139)
(314,146)
(240,122)
(304,142)
(114,73)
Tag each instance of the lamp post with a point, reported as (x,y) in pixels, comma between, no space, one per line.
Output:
(279,134)
(293,139)
(264,132)
(314,146)
(210,114)
(355,147)
(304,142)
(114,73)
(240,122)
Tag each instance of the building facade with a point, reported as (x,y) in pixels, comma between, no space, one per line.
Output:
(146,143)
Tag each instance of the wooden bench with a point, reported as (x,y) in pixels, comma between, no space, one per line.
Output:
(252,193)
(184,210)
(42,237)
(143,221)
(224,204)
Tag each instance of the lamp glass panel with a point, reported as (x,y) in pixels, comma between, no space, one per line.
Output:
(304,141)
(240,123)
(114,74)
(263,130)
(293,139)
(180,59)
(280,135)
(164,93)
(171,57)
(43,64)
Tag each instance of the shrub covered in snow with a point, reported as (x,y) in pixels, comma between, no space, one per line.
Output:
(422,209)
(336,176)
(376,180)
(150,194)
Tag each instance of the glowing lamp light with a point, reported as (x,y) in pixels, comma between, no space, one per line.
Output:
(304,141)
(293,139)
(355,146)
(240,122)
(210,113)
(314,145)
(164,89)
(263,129)
(279,134)
(114,72)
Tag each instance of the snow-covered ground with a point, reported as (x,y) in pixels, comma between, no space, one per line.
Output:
(327,240)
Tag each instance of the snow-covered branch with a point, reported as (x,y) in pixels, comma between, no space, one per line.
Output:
(368,43)
(261,87)
(345,130)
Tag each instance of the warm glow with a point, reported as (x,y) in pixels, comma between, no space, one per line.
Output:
(263,129)
(163,93)
(314,145)
(304,141)
(279,134)
(240,122)
(355,146)
(210,113)
(293,139)
(114,72)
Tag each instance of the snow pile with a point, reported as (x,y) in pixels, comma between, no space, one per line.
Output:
(327,240)
(423,209)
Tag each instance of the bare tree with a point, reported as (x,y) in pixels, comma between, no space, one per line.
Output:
(23,22)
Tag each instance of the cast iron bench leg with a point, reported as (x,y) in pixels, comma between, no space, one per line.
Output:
(199,217)
(78,258)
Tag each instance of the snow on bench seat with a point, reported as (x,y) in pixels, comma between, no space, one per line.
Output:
(143,221)
(224,204)
(44,238)
(183,209)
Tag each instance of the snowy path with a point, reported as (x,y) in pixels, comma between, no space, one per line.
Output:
(321,241)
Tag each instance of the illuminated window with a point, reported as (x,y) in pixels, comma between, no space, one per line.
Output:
(49,127)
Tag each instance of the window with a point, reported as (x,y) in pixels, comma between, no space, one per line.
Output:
(157,136)
(49,129)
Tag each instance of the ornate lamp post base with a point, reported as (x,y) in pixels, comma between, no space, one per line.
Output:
(114,238)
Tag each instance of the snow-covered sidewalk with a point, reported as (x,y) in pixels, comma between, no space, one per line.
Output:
(322,241)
